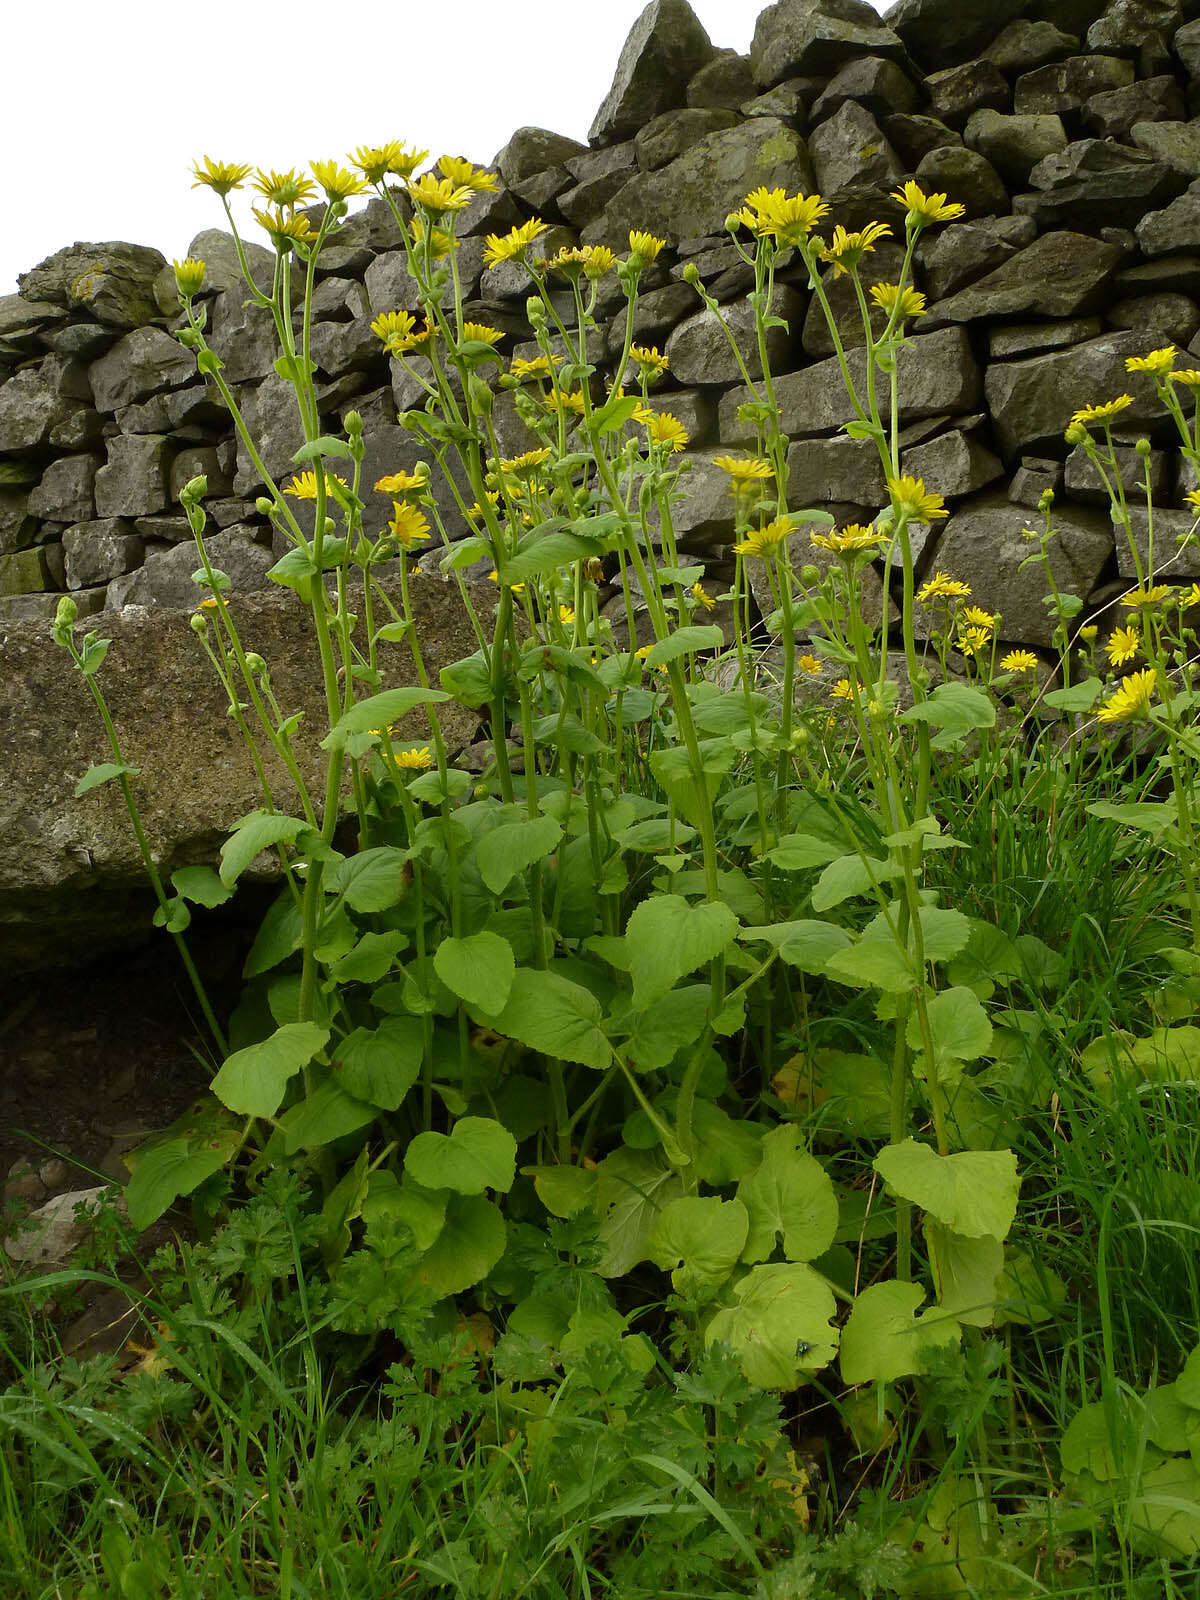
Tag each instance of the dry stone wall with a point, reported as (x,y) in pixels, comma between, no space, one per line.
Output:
(1065,128)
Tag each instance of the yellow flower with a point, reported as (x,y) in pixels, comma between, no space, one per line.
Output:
(888,295)
(1189,376)
(911,501)
(842,690)
(538,367)
(409,525)
(220,176)
(398,484)
(651,360)
(566,400)
(337,183)
(413,760)
(528,463)
(189,276)
(440,242)
(569,261)
(376,161)
(208,605)
(1157,362)
(400,343)
(764,542)
(925,208)
(1018,661)
(943,587)
(481,332)
(1187,598)
(787,218)
(514,243)
(284,231)
(464,175)
(475,510)
(977,617)
(744,471)
(600,259)
(852,537)
(438,194)
(701,597)
(1104,411)
(809,663)
(974,640)
(566,615)
(1088,633)
(645,245)
(1131,699)
(1137,598)
(393,325)
(846,250)
(514,588)
(1123,645)
(663,428)
(304,485)
(290,188)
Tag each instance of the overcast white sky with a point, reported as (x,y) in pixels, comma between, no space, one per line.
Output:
(106,107)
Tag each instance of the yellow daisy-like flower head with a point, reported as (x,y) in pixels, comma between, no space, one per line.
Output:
(220,176)
(303,486)
(409,525)
(391,326)
(527,464)
(1130,701)
(1154,596)
(1088,632)
(399,484)
(337,182)
(480,333)
(1019,661)
(842,690)
(599,260)
(465,175)
(645,245)
(566,400)
(414,760)
(570,261)
(189,276)
(943,587)
(1104,412)
(850,538)
(889,296)
(440,242)
(702,598)
(789,219)
(663,428)
(513,244)
(1156,363)
(809,663)
(977,617)
(846,250)
(400,344)
(566,615)
(972,641)
(922,208)
(438,195)
(375,162)
(538,367)
(1188,376)
(650,360)
(910,499)
(1185,599)
(1123,644)
(764,543)
(291,188)
(284,231)
(745,473)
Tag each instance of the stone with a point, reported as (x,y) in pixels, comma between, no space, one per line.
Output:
(161,528)
(824,470)
(723,83)
(1058,275)
(1025,45)
(1186,45)
(693,195)
(1166,318)
(165,576)
(695,408)
(797,37)
(85,340)
(1032,479)
(97,551)
(65,493)
(533,150)
(955,464)
(937,375)
(699,351)
(848,148)
(914,137)
(143,363)
(722,271)
(269,412)
(983,544)
(79,430)
(1176,548)
(490,211)
(1116,110)
(941,33)
(17,526)
(23,572)
(133,482)
(338,347)
(966,177)
(1096,183)
(540,191)
(654,316)
(1174,227)
(1168,274)
(29,409)
(1175,144)
(1027,338)
(672,133)
(243,335)
(703,517)
(41,607)
(880,86)
(222,269)
(49,1235)
(201,461)
(113,283)
(666,47)
(338,300)
(1065,86)
(1031,401)
(956,92)
(1083,481)
(1014,145)
(20,315)
(964,251)
(1126,25)
(585,202)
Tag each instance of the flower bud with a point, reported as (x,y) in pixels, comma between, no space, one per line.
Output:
(194,489)
(691,274)
(66,613)
(189,277)
(255,662)
(535,310)
(1046,500)
(593,569)
(810,575)
(198,622)
(1143,448)
(265,506)
(353,422)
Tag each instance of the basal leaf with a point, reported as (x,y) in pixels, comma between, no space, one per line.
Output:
(789,1196)
(699,1239)
(547,1012)
(634,1186)
(781,1325)
(478,969)
(667,938)
(514,846)
(973,1192)
(252,834)
(884,1338)
(380,1065)
(371,880)
(253,1081)
(469,1245)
